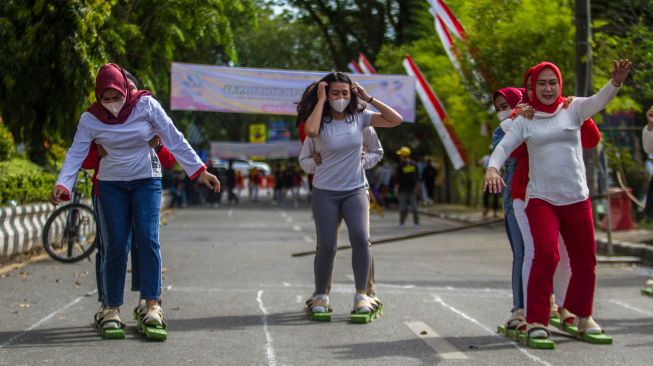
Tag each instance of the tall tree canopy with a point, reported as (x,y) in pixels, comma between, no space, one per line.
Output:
(52,49)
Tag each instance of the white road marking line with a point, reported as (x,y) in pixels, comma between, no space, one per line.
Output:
(439,300)
(45,320)
(297,228)
(289,219)
(444,349)
(286,284)
(230,212)
(283,214)
(299,299)
(272,358)
(308,239)
(630,307)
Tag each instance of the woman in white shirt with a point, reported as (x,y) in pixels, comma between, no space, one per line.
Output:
(557,194)
(336,125)
(129,182)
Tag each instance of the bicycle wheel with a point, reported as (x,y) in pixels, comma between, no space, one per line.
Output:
(69,234)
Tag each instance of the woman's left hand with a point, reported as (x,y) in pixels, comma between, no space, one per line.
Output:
(210,180)
(620,71)
(357,89)
(525,111)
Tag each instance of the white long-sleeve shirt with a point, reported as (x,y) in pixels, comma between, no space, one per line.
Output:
(647,140)
(371,146)
(555,153)
(129,155)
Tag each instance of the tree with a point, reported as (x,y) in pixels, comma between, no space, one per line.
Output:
(352,26)
(58,45)
(51,51)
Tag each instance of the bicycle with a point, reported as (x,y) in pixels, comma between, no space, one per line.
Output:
(69,234)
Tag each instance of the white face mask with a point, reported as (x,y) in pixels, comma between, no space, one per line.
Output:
(339,105)
(503,115)
(115,107)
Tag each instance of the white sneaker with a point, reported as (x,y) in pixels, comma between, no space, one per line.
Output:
(362,304)
(320,304)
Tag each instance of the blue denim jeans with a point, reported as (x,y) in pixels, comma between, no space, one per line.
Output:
(99,247)
(514,236)
(126,206)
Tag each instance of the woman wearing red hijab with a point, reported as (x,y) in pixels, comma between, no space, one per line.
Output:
(505,102)
(129,182)
(557,197)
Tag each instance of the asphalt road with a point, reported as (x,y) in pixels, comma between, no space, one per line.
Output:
(233,295)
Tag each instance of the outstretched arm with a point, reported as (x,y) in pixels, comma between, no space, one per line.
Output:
(587,107)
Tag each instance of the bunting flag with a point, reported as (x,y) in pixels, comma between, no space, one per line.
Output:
(441,10)
(438,115)
(354,68)
(447,42)
(365,64)
(446,24)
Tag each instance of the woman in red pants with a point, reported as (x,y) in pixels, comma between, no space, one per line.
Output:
(557,196)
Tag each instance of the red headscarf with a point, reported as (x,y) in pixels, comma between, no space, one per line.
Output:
(531,76)
(512,95)
(111,76)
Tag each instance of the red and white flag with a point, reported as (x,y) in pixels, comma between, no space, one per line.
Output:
(447,41)
(365,64)
(438,115)
(442,10)
(353,66)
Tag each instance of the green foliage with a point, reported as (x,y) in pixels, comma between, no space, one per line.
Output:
(351,26)
(7,145)
(620,160)
(57,46)
(24,182)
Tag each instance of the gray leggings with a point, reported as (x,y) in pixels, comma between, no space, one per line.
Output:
(328,208)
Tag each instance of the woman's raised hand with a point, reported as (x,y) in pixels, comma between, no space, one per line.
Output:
(620,71)
(321,91)
(360,92)
(493,181)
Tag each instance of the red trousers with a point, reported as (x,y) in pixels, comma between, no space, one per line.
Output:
(576,225)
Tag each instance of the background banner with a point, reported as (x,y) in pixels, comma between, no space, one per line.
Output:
(266,91)
(244,150)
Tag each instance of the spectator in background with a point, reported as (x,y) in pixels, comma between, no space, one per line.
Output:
(254,181)
(420,179)
(231,184)
(429,176)
(406,182)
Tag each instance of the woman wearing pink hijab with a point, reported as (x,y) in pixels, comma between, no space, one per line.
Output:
(129,182)
(557,197)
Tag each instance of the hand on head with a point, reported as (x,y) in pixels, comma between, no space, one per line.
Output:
(360,92)
(321,91)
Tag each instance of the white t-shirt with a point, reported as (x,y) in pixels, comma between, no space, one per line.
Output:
(555,153)
(371,146)
(129,155)
(340,144)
